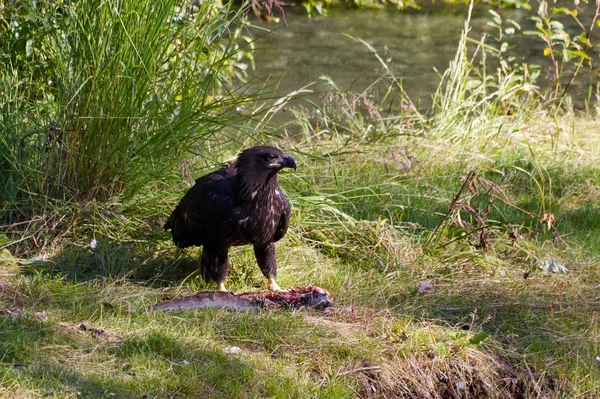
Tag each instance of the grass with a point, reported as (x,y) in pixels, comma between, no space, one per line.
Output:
(539,330)
(99,91)
(381,204)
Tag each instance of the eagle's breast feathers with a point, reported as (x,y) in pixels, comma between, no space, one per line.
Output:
(266,218)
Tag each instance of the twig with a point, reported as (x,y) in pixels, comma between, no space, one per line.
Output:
(484,280)
(495,224)
(589,38)
(367,368)
(452,205)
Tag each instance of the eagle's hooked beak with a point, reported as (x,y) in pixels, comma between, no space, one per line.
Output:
(288,162)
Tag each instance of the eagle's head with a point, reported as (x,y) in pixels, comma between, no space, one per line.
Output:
(264,160)
(257,169)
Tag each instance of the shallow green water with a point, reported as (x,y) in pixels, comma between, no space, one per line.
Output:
(412,43)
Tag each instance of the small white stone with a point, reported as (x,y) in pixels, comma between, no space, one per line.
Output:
(425,287)
(232,350)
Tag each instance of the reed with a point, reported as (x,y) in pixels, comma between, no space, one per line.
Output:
(126,89)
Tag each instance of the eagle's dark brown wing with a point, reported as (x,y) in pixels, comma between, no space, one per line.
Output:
(207,213)
(284,219)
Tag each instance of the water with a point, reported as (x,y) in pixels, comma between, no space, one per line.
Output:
(412,43)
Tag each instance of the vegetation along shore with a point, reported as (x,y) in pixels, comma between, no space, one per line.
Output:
(458,236)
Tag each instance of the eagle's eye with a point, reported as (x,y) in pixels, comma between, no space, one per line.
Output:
(270,157)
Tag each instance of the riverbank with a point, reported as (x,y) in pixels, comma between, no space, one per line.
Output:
(460,248)
(442,286)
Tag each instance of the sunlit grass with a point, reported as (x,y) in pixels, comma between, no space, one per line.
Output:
(377,211)
(385,336)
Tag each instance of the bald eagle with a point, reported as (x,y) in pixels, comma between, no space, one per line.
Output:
(239,204)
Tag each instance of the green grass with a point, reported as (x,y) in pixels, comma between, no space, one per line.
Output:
(99,92)
(541,329)
(380,205)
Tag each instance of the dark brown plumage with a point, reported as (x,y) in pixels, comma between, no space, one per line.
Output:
(239,204)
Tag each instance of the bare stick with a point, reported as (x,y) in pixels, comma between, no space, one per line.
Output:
(452,205)
(367,368)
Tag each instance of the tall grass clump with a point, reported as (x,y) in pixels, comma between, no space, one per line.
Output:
(471,98)
(101,96)
(460,246)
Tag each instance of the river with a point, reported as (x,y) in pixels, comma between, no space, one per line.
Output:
(413,43)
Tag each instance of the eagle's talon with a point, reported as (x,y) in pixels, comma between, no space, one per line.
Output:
(222,288)
(273,286)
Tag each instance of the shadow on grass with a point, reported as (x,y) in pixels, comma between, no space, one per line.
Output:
(154,263)
(53,359)
(148,262)
(27,348)
(581,226)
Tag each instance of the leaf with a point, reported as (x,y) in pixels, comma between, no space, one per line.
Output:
(4,239)
(35,261)
(515,24)
(557,26)
(473,84)
(534,33)
(563,10)
(479,338)
(580,54)
(456,334)
(543,9)
(6,256)
(497,18)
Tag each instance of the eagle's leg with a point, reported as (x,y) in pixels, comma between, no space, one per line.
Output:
(265,256)
(214,265)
